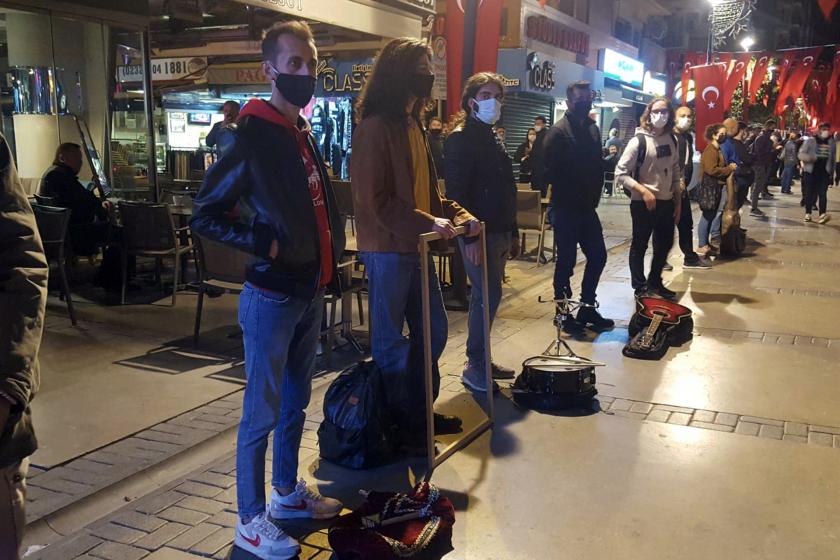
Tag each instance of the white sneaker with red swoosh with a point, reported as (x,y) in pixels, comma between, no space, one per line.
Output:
(265,540)
(303,502)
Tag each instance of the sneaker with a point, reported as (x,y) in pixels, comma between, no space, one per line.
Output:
(807,217)
(756,212)
(668,267)
(700,263)
(303,502)
(475,379)
(588,316)
(502,372)
(447,424)
(664,292)
(264,539)
(824,218)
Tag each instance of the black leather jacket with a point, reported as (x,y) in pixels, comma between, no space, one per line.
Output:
(263,171)
(574,165)
(479,176)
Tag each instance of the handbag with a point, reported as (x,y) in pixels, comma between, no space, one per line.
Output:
(708,193)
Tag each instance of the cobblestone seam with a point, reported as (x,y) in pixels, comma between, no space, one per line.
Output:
(52,489)
(797,432)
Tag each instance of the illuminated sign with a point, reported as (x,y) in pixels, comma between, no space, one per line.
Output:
(622,68)
(655,86)
(165,69)
(544,30)
(342,77)
(540,76)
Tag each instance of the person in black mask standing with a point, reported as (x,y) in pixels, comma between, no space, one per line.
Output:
(296,236)
(396,199)
(435,135)
(575,169)
(539,181)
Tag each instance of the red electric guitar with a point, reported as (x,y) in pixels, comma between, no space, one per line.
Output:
(657,325)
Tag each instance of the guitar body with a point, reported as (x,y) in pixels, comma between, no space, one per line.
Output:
(657,325)
(732,239)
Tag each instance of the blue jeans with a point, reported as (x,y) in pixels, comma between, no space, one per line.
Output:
(704,226)
(573,227)
(281,339)
(395,299)
(716,223)
(498,248)
(787,176)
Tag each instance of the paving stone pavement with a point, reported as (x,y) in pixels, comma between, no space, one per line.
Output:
(194,516)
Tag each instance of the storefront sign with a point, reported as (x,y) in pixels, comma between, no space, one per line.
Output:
(655,86)
(636,96)
(425,7)
(621,68)
(165,69)
(236,74)
(338,78)
(544,30)
(540,73)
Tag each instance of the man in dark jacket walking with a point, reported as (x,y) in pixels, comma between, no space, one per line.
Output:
(763,154)
(575,169)
(295,233)
(23,295)
(479,177)
(539,180)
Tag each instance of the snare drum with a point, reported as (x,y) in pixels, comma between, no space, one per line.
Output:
(551,382)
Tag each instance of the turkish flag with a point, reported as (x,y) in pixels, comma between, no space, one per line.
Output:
(488,28)
(672,58)
(816,91)
(834,82)
(473,28)
(796,78)
(689,60)
(708,102)
(736,74)
(827,6)
(786,63)
(759,73)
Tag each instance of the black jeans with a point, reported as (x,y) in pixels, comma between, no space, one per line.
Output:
(816,190)
(572,227)
(659,224)
(685,229)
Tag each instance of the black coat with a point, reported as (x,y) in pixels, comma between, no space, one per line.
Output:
(574,165)
(263,169)
(61,184)
(479,176)
(524,163)
(539,179)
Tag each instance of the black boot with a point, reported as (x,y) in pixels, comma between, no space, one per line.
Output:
(588,316)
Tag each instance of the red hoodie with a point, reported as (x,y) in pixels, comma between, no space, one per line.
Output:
(267,112)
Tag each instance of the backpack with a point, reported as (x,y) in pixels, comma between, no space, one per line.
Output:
(355,432)
(641,154)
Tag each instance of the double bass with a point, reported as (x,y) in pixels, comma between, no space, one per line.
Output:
(733,239)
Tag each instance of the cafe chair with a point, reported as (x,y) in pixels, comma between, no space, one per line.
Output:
(531,218)
(53,224)
(344,199)
(149,231)
(220,267)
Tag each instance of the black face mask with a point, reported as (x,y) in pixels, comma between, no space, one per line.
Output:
(582,108)
(296,89)
(435,131)
(420,85)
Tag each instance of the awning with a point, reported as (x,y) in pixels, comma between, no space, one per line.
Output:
(381,20)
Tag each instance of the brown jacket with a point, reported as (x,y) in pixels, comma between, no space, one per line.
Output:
(713,163)
(387,218)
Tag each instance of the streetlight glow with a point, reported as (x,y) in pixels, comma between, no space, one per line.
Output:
(747,43)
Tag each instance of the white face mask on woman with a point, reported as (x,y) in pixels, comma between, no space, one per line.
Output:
(488,111)
(825,134)
(659,120)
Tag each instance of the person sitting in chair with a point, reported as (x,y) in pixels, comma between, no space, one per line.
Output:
(89,218)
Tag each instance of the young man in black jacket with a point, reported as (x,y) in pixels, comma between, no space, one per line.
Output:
(575,169)
(539,180)
(479,177)
(23,295)
(685,151)
(295,233)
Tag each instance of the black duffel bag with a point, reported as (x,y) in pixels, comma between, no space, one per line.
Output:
(356,431)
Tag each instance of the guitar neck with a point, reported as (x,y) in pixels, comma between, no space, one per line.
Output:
(647,339)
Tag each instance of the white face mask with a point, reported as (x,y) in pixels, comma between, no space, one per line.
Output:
(825,134)
(488,111)
(658,120)
(683,123)
(538,127)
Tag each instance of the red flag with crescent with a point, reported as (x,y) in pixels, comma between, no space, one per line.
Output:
(832,95)
(816,91)
(708,102)
(689,60)
(797,76)
(759,73)
(487,31)
(736,74)
(826,7)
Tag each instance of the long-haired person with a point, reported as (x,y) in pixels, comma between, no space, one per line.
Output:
(523,156)
(715,170)
(652,174)
(396,200)
(479,176)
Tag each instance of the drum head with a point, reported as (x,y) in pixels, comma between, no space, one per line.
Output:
(551,364)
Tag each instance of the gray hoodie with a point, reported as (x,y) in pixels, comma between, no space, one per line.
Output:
(660,172)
